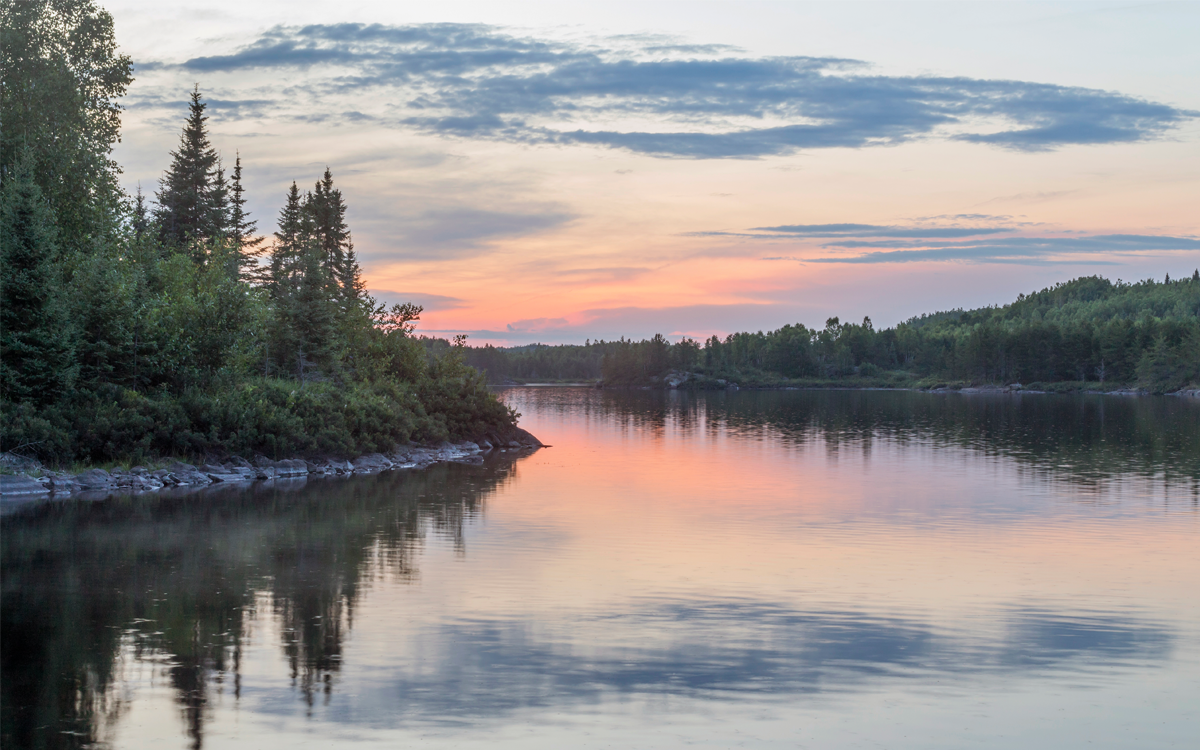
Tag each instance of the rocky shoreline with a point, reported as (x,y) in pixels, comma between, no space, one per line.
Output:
(31,479)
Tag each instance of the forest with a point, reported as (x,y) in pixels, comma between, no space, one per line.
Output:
(135,327)
(1086,334)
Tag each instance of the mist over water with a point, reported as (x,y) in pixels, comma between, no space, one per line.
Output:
(759,569)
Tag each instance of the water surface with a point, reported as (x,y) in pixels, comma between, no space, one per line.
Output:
(773,569)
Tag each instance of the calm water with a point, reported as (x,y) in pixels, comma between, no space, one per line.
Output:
(758,570)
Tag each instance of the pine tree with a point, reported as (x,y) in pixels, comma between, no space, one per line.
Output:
(218,226)
(242,228)
(304,324)
(353,288)
(36,354)
(185,197)
(140,221)
(328,212)
(285,249)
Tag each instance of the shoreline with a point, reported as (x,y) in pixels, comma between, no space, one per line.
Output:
(1016,389)
(30,480)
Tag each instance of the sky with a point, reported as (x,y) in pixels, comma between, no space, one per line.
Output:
(556,172)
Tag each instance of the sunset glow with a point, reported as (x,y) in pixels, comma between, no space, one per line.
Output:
(546,173)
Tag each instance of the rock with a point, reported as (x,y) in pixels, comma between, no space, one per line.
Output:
(191,478)
(225,478)
(292,467)
(180,468)
(240,463)
(95,479)
(263,462)
(139,470)
(371,462)
(63,484)
(211,469)
(17,485)
(18,462)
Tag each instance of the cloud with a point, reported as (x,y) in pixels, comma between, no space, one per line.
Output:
(1015,249)
(871,230)
(674,100)
(430,302)
(536,325)
(459,231)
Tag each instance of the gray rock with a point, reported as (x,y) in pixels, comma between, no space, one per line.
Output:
(63,484)
(19,463)
(139,470)
(241,463)
(292,467)
(263,462)
(212,469)
(17,485)
(180,468)
(95,479)
(191,478)
(228,478)
(371,462)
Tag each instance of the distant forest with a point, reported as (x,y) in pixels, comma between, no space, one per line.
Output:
(1085,333)
(134,328)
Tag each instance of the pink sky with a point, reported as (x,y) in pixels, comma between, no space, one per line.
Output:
(557,174)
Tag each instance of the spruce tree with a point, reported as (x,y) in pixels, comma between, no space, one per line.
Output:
(242,228)
(218,226)
(140,220)
(185,197)
(36,354)
(353,289)
(328,212)
(285,249)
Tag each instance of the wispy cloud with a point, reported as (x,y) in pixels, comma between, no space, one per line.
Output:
(1029,250)
(674,100)
(930,239)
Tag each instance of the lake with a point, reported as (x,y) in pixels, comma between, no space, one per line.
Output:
(833,569)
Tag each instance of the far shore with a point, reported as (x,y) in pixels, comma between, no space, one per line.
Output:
(721,386)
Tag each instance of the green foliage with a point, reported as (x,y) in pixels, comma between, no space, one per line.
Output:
(162,335)
(192,200)
(1088,330)
(60,79)
(36,352)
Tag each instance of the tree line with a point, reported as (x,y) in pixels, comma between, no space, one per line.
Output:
(1088,332)
(134,326)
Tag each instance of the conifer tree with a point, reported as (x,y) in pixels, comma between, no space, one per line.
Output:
(141,218)
(285,249)
(185,197)
(353,288)
(242,228)
(36,354)
(218,209)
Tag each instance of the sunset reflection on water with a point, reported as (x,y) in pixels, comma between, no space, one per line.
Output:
(789,568)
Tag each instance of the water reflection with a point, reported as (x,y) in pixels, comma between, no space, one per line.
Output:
(1082,438)
(181,580)
(619,569)
(735,649)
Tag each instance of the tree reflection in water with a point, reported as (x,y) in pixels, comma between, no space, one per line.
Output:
(180,580)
